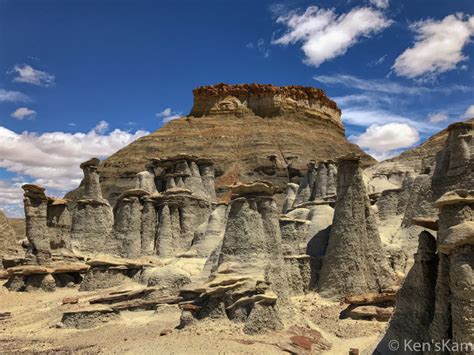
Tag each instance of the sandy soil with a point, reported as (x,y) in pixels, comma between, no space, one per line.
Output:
(33,329)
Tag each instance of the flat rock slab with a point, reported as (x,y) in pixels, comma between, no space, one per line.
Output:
(425,222)
(57,268)
(371,298)
(108,260)
(90,317)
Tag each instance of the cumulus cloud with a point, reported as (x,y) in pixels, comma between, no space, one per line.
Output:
(27,74)
(168,115)
(22,113)
(384,141)
(438,46)
(365,117)
(52,159)
(325,35)
(437,117)
(469,112)
(13,96)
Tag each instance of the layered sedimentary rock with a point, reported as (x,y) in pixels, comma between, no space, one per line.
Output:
(92,216)
(249,279)
(292,125)
(354,261)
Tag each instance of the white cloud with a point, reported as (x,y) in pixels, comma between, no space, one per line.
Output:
(101,127)
(384,141)
(438,46)
(469,112)
(168,115)
(260,46)
(23,112)
(10,193)
(384,85)
(11,197)
(383,4)
(325,35)
(377,61)
(13,96)
(437,117)
(370,116)
(27,74)
(52,159)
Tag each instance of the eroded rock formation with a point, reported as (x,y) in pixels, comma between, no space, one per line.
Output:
(263,100)
(291,124)
(249,283)
(92,215)
(355,261)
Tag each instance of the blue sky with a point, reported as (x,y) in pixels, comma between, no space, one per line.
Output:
(83,78)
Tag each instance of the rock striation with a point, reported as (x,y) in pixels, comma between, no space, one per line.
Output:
(263,100)
(354,261)
(289,126)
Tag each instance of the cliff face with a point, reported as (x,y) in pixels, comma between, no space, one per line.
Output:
(250,131)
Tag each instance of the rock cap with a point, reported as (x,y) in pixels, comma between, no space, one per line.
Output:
(257,188)
(90,162)
(461,196)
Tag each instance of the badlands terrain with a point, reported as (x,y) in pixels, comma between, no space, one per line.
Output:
(251,225)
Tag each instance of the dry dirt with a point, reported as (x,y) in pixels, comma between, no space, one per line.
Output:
(33,329)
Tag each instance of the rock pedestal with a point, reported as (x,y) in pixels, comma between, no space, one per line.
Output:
(92,216)
(355,261)
(91,181)
(36,211)
(454,167)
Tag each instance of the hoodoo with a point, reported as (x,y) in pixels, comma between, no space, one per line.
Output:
(355,261)
(237,218)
